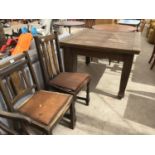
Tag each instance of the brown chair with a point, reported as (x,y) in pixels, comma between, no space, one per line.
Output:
(37,109)
(52,69)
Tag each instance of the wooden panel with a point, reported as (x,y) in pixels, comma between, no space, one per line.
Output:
(47,62)
(104,21)
(114,41)
(17,83)
(48,57)
(14,83)
(115,28)
(47,38)
(54,56)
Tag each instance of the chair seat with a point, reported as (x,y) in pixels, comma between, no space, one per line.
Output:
(44,106)
(71,81)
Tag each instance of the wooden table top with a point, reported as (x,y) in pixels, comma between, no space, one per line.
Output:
(114,27)
(121,42)
(69,23)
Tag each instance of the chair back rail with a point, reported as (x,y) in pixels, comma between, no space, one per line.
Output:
(49,55)
(15,83)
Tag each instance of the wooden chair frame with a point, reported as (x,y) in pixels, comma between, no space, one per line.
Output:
(44,54)
(12,90)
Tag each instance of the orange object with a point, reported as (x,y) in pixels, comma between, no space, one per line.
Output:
(23,44)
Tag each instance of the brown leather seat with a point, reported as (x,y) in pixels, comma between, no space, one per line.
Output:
(71,81)
(44,106)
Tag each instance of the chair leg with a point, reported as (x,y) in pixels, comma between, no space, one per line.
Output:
(153,53)
(88,60)
(109,61)
(87,94)
(72,114)
(87,98)
(151,58)
(152,65)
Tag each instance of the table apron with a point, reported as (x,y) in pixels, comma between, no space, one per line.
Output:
(73,52)
(70,62)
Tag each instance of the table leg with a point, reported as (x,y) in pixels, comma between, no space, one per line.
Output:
(152,56)
(70,60)
(87,60)
(137,28)
(127,65)
(69,27)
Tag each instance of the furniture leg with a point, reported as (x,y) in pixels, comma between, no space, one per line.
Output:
(153,53)
(72,115)
(127,64)
(88,59)
(87,94)
(152,64)
(69,27)
(137,28)
(70,60)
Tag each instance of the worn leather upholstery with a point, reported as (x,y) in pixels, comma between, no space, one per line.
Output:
(44,106)
(71,81)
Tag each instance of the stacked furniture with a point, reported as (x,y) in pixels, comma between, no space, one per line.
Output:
(39,110)
(30,108)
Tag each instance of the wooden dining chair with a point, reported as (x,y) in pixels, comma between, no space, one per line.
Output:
(49,55)
(38,109)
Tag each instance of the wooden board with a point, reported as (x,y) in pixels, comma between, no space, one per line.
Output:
(124,42)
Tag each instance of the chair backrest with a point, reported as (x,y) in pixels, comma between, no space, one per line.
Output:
(17,79)
(49,55)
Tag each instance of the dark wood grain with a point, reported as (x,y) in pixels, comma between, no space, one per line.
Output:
(114,27)
(121,42)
